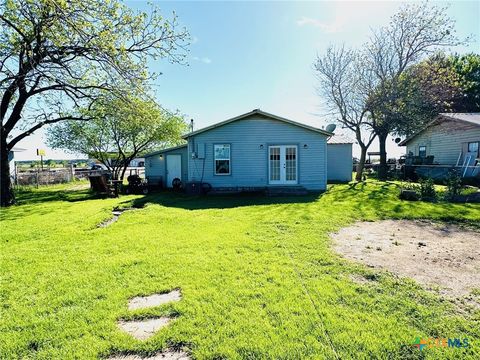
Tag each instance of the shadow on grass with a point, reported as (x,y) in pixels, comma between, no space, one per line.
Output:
(199,202)
(34,196)
(380,199)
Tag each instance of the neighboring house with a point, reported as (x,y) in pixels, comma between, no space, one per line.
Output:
(451,139)
(255,150)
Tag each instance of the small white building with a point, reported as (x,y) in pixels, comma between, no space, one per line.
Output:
(11,162)
(339,159)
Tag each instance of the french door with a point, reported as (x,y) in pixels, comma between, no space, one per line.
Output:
(282,164)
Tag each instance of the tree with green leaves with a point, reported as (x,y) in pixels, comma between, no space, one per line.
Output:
(467,68)
(414,32)
(421,92)
(59,56)
(120,130)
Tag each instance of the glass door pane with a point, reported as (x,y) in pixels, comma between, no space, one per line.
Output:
(291,163)
(274,163)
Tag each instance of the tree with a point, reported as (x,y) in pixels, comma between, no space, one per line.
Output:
(467,67)
(413,33)
(121,129)
(344,84)
(59,56)
(423,91)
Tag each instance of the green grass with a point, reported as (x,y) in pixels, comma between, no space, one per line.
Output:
(258,277)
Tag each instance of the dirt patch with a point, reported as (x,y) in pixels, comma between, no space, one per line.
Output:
(164,355)
(143,329)
(115,215)
(142,302)
(78,187)
(360,280)
(446,256)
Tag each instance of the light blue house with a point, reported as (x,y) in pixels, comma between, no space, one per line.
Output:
(253,151)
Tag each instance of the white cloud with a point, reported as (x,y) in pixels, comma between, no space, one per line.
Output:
(351,16)
(204,60)
(333,27)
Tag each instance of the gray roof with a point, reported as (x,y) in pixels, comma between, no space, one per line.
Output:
(471,118)
(261,113)
(339,139)
(165,150)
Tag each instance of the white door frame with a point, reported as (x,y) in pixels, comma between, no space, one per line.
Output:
(176,170)
(283,165)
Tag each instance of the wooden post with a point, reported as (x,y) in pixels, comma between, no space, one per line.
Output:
(72,173)
(16,173)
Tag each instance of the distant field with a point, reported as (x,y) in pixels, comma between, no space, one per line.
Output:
(258,277)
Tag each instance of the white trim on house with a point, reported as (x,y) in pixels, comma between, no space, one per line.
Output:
(229,159)
(174,168)
(471,118)
(282,165)
(158,152)
(261,113)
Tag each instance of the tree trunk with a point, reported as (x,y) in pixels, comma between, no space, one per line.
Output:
(124,170)
(6,191)
(361,163)
(383,168)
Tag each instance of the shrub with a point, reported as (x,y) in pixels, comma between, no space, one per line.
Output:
(454,185)
(410,191)
(427,190)
(411,186)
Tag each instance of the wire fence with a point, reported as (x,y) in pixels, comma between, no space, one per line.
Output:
(44,177)
(51,176)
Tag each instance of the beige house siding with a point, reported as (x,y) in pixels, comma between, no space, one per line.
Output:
(445,141)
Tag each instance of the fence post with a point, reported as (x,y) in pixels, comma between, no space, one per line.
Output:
(36,178)
(16,173)
(72,173)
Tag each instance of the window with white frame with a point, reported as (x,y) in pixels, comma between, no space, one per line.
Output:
(222,159)
(422,151)
(473,147)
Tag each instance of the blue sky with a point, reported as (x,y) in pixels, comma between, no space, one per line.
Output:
(247,55)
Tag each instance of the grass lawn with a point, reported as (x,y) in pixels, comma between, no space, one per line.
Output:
(258,277)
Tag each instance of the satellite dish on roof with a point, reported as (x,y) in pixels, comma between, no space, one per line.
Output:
(331,127)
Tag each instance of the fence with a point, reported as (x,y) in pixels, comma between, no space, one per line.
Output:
(44,177)
(60,175)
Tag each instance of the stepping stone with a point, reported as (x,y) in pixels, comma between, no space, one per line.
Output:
(143,329)
(164,355)
(142,302)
